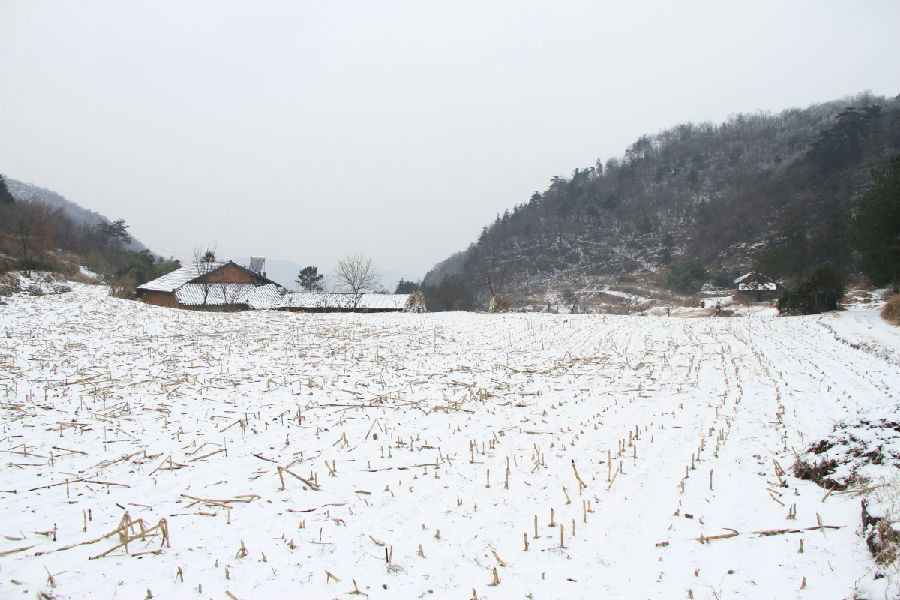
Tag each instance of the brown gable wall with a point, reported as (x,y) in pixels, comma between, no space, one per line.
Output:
(231,273)
(159,298)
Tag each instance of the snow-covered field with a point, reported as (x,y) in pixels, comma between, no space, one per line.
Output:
(276,455)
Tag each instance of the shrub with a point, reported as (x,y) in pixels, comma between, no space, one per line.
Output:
(33,264)
(499,304)
(685,276)
(891,310)
(720,278)
(818,291)
(9,284)
(123,287)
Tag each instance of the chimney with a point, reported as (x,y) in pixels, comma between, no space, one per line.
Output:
(258,265)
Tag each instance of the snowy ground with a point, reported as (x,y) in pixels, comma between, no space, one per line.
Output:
(408,456)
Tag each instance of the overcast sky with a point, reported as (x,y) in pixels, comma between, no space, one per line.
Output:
(312,130)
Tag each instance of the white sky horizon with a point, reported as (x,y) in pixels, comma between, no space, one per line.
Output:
(396,130)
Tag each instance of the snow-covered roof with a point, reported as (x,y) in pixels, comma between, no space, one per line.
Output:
(177,278)
(755,281)
(226,294)
(264,297)
(326,301)
(173,281)
(757,285)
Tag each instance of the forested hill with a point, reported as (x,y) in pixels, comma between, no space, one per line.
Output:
(41,230)
(695,203)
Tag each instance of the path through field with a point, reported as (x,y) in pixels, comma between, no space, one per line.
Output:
(267,455)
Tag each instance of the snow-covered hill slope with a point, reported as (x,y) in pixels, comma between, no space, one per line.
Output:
(275,455)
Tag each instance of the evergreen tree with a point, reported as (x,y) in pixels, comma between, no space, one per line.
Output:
(310,279)
(875,228)
(819,291)
(5,196)
(143,266)
(114,233)
(406,287)
(686,276)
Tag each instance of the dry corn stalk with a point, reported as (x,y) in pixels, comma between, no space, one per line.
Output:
(126,525)
(581,484)
(499,560)
(705,539)
(283,470)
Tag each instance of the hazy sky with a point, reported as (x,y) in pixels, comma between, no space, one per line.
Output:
(312,130)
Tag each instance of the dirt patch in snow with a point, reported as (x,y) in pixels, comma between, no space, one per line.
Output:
(9,284)
(847,455)
(859,455)
(35,284)
(882,532)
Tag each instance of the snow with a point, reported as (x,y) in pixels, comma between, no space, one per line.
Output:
(33,284)
(177,278)
(863,328)
(760,282)
(342,301)
(406,424)
(218,294)
(630,297)
(88,273)
(752,287)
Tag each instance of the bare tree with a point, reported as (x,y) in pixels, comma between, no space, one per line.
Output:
(356,275)
(32,228)
(570,298)
(204,263)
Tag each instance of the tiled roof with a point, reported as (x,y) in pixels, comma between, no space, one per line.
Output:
(301,300)
(264,296)
(227,294)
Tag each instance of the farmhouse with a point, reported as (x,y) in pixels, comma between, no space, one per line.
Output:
(756,287)
(337,302)
(215,286)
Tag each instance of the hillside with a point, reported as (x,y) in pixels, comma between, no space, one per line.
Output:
(77,214)
(41,230)
(693,204)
